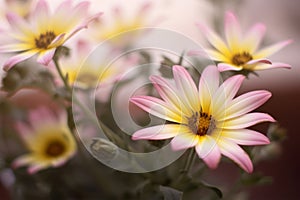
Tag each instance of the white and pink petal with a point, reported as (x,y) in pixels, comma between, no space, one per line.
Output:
(235,153)
(245,137)
(245,121)
(208,150)
(159,132)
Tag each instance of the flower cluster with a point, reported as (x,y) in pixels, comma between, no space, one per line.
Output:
(53,68)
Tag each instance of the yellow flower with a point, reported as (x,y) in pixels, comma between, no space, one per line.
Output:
(48,139)
(44,31)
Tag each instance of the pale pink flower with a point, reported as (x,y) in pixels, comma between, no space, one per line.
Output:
(209,119)
(48,139)
(240,51)
(44,31)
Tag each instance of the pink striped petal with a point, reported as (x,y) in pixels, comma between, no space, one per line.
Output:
(235,153)
(8,48)
(232,85)
(214,39)
(217,56)
(83,26)
(41,15)
(59,162)
(257,61)
(168,94)
(254,37)
(18,58)
(208,85)
(37,167)
(58,40)
(157,107)
(18,23)
(186,87)
(273,66)
(81,9)
(225,94)
(208,150)
(184,140)
(232,31)
(226,67)
(246,103)
(265,52)
(22,160)
(246,120)
(245,137)
(45,57)
(160,132)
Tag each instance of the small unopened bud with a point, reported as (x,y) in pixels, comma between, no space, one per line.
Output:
(103,149)
(276,132)
(270,151)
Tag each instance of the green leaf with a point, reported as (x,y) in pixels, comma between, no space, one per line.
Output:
(213,188)
(255,179)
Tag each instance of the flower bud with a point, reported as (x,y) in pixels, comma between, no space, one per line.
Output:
(103,149)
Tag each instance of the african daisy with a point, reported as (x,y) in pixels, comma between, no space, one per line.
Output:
(44,31)
(240,52)
(48,139)
(209,119)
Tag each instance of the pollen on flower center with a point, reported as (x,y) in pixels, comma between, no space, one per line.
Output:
(44,40)
(203,124)
(241,58)
(55,148)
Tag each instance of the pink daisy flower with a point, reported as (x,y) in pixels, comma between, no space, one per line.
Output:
(208,119)
(44,31)
(240,52)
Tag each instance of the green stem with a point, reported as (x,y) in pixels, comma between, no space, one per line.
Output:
(63,78)
(87,111)
(190,161)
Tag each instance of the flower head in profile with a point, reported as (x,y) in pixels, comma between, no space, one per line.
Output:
(241,52)
(209,119)
(48,140)
(44,31)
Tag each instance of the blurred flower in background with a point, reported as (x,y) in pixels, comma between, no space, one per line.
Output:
(241,52)
(120,19)
(44,31)
(48,139)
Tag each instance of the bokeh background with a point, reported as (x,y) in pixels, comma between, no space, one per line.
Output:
(282,20)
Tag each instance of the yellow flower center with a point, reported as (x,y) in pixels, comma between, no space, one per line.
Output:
(203,124)
(55,148)
(241,58)
(87,78)
(200,123)
(44,40)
